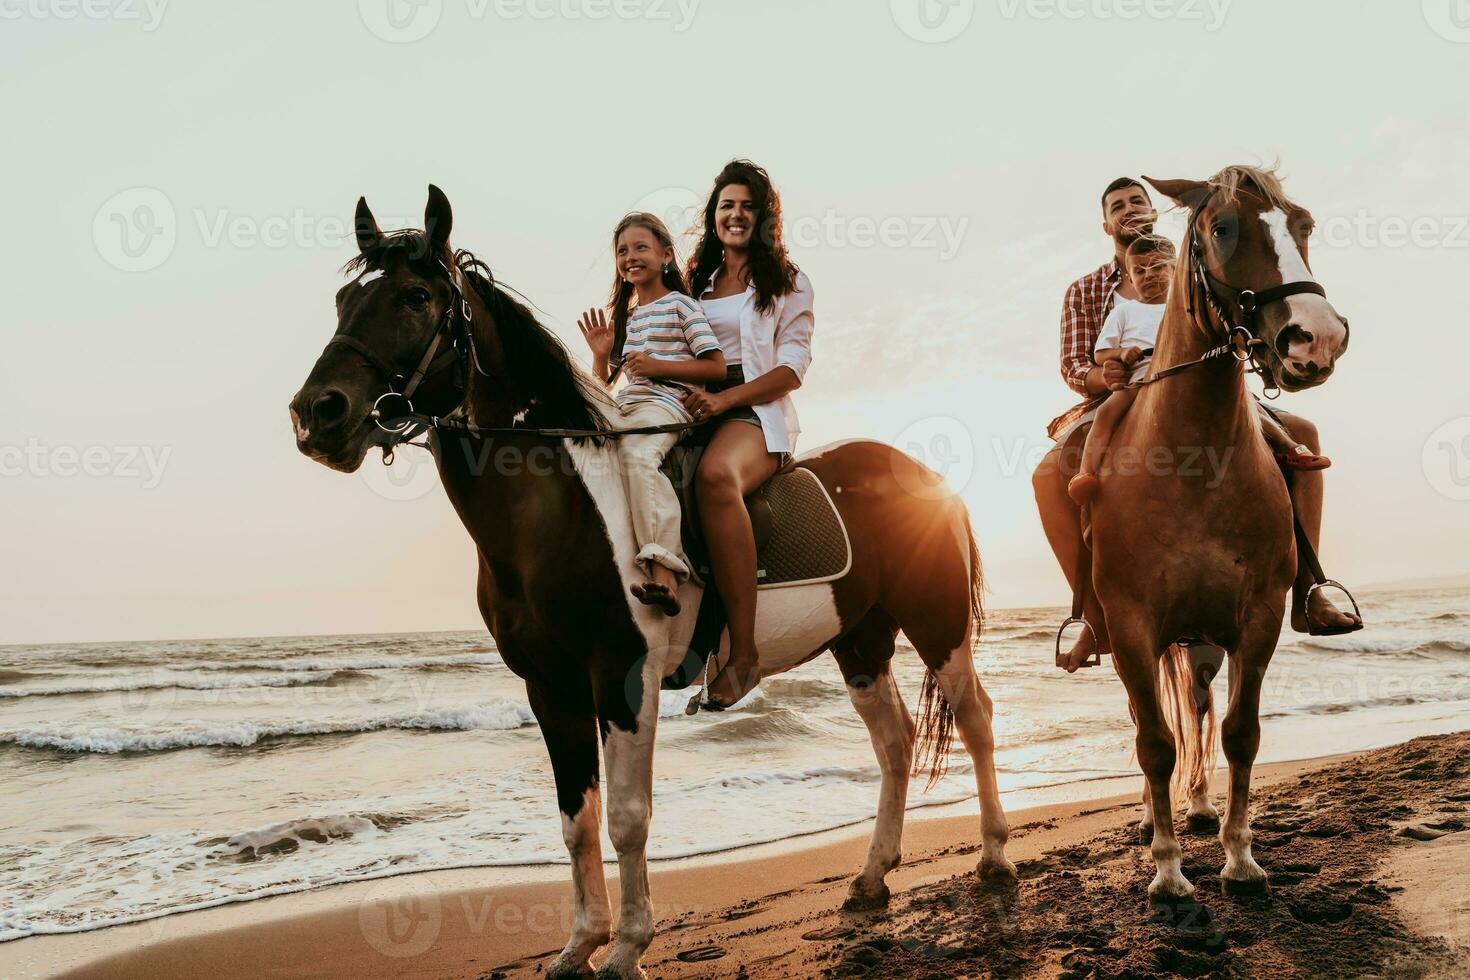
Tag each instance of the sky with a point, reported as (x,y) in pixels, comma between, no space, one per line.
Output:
(178,186)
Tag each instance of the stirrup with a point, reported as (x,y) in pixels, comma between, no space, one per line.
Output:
(1096,658)
(1340,630)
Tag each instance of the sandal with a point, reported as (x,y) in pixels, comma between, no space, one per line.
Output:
(1303,459)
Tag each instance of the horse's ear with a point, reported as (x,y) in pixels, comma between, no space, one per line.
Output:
(1185,193)
(368,235)
(438,220)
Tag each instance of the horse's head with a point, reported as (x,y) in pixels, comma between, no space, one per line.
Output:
(1246,259)
(388,318)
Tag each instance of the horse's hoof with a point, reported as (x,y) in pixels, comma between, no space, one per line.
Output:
(1244,887)
(862,898)
(1202,824)
(609,972)
(997,874)
(565,971)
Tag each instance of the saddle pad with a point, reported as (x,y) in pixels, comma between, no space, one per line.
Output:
(808,541)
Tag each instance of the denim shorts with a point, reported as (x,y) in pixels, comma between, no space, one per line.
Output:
(701,436)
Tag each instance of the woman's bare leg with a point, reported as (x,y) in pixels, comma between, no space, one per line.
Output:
(735,464)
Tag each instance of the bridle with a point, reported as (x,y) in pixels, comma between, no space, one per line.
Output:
(393,412)
(454,325)
(1237,310)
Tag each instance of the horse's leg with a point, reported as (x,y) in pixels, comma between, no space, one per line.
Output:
(864,656)
(1205,662)
(972,715)
(571,741)
(1135,654)
(1146,822)
(1240,735)
(629,709)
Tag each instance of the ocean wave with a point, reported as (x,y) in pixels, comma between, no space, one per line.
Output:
(1342,707)
(1033,634)
(775,725)
(167,680)
(1385,647)
(12,676)
(285,838)
(495,716)
(343,663)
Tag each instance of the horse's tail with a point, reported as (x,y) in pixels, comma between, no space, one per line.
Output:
(936,715)
(1189,711)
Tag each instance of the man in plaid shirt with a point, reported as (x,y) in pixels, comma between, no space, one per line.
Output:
(1128,214)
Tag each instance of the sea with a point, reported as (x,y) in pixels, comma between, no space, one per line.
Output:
(142,779)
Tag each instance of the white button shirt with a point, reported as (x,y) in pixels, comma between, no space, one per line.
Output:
(780,336)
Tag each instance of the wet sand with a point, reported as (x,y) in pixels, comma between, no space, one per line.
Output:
(1368,857)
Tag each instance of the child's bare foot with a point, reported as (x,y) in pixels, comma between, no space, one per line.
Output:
(662,591)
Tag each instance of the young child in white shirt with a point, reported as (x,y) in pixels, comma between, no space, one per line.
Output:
(1129,335)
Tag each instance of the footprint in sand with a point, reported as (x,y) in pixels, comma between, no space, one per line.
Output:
(1422,832)
(827,935)
(700,954)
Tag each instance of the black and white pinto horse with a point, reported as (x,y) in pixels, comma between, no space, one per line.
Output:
(556,548)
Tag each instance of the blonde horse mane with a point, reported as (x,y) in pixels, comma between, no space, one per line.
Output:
(1262,182)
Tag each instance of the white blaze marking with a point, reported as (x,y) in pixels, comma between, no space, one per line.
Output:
(368,277)
(1293,267)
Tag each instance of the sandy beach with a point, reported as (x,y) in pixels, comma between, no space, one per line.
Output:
(1369,862)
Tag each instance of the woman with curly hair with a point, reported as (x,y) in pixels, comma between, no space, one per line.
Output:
(759,305)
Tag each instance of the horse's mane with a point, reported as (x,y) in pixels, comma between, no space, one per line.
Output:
(1262,182)
(546,387)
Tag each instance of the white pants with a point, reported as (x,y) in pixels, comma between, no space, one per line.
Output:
(651,499)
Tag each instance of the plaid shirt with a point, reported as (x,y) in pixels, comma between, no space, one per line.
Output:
(1088,302)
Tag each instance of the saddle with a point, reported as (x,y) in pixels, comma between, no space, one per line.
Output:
(800,539)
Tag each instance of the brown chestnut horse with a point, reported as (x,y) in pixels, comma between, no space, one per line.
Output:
(1177,556)
(555,542)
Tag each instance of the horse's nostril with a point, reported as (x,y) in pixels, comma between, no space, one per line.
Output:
(328,409)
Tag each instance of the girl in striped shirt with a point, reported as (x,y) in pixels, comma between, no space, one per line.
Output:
(665,347)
